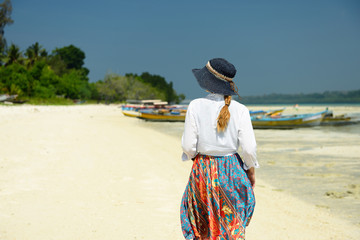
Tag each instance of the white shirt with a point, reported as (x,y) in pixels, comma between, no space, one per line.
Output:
(200,134)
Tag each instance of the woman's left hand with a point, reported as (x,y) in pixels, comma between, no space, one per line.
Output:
(251,175)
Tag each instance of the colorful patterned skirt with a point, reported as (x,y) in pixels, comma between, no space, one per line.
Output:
(218,201)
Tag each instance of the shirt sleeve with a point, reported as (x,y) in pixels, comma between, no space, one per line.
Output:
(247,141)
(189,138)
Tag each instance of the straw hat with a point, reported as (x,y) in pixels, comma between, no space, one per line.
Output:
(217,77)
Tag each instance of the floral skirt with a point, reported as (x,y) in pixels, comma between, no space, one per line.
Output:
(218,201)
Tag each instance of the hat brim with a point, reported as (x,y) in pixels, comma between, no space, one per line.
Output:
(211,83)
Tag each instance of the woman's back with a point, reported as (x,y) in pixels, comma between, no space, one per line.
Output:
(205,112)
(201,134)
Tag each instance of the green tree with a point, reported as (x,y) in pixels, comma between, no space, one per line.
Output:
(71,55)
(43,53)
(35,75)
(45,76)
(43,80)
(14,55)
(66,58)
(5,19)
(30,57)
(74,85)
(44,92)
(34,53)
(140,91)
(120,88)
(160,83)
(113,88)
(57,64)
(14,79)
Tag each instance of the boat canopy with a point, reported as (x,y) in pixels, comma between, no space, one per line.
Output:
(145,102)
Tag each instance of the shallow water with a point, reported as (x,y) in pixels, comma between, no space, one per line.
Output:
(320,165)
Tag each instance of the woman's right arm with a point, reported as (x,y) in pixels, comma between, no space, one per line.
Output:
(189,138)
(247,141)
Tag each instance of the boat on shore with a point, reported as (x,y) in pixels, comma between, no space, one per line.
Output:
(131,113)
(272,113)
(7,97)
(175,113)
(132,107)
(338,120)
(162,117)
(288,121)
(3,97)
(154,110)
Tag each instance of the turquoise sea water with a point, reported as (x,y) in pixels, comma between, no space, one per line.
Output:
(314,164)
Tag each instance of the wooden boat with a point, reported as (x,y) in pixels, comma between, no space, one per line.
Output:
(133,107)
(163,116)
(331,119)
(7,98)
(3,97)
(274,113)
(154,110)
(131,113)
(288,122)
(268,113)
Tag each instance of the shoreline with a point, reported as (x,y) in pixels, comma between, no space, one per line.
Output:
(82,168)
(319,165)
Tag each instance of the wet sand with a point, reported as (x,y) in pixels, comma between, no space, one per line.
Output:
(87,172)
(320,165)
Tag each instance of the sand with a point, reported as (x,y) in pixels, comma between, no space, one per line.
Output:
(87,172)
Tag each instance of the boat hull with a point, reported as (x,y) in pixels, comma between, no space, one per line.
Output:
(297,121)
(131,113)
(338,121)
(162,117)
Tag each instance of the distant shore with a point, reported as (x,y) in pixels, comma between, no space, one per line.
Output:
(327,97)
(88,172)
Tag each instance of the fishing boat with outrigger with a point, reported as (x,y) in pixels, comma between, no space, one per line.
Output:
(271,113)
(173,114)
(288,121)
(132,107)
(339,120)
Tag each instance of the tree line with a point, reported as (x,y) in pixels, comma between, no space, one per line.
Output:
(325,97)
(37,74)
(60,74)
(131,86)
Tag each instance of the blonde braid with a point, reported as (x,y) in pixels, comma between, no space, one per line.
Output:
(224,115)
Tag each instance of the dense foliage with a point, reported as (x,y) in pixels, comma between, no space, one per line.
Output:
(39,75)
(5,19)
(121,88)
(326,97)
(160,84)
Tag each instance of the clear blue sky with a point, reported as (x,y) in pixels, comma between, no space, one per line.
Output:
(288,46)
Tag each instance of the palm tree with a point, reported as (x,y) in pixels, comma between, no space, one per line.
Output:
(34,53)
(30,57)
(43,53)
(5,19)
(36,50)
(14,55)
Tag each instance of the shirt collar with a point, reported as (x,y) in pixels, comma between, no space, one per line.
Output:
(215,97)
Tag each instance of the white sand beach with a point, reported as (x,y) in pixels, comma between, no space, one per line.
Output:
(88,172)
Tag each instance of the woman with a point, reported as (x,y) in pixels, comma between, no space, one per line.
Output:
(218,201)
